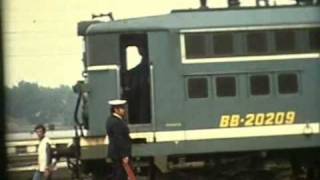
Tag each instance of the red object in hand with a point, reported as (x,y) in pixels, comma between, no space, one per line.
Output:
(129,170)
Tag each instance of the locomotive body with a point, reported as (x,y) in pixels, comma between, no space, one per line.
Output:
(211,82)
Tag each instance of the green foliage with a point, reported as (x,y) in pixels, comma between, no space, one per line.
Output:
(29,104)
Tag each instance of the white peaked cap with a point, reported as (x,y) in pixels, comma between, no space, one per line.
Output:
(117,102)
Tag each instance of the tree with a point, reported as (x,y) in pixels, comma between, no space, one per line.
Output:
(30,103)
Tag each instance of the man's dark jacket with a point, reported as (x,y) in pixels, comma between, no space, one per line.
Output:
(119,139)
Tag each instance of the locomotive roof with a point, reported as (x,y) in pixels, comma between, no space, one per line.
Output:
(197,19)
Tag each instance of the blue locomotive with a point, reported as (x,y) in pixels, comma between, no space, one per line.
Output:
(230,93)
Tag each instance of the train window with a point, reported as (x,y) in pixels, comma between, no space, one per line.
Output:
(103,49)
(259,85)
(256,42)
(226,86)
(133,57)
(223,44)
(197,87)
(195,45)
(314,39)
(284,40)
(288,83)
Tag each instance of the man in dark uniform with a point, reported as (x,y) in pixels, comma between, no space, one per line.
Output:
(119,149)
(139,94)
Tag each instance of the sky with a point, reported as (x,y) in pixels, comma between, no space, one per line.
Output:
(40,36)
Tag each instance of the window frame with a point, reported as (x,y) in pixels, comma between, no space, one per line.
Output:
(250,84)
(209,87)
(299,85)
(240,54)
(236,83)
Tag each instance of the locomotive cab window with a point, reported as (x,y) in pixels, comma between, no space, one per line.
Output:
(102,49)
(288,83)
(259,85)
(134,58)
(226,86)
(197,87)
